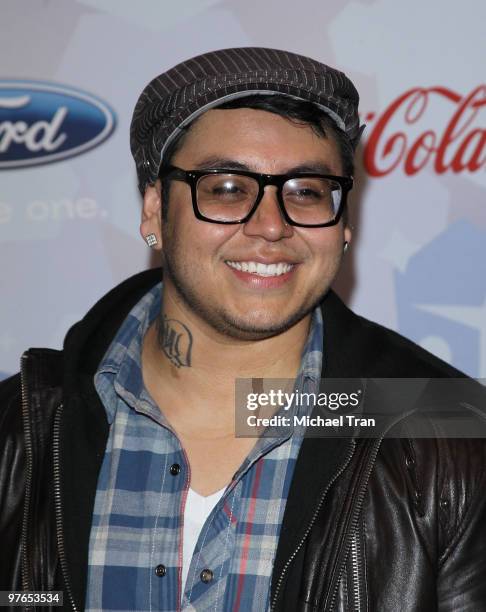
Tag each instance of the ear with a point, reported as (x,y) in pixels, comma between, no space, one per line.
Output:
(151,214)
(348,234)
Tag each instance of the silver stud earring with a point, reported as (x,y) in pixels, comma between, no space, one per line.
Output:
(345,246)
(151,240)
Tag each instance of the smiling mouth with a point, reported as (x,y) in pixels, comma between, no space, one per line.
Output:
(261,269)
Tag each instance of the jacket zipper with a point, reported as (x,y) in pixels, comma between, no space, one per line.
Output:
(28,480)
(58,504)
(352,530)
(360,499)
(355,572)
(312,521)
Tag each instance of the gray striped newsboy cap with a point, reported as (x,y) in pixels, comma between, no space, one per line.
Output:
(175,98)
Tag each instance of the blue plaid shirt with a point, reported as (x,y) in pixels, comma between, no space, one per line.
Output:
(135,549)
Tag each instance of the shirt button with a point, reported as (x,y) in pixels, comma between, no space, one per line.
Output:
(206,575)
(175,468)
(160,570)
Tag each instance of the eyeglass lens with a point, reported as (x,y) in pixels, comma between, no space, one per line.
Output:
(230,197)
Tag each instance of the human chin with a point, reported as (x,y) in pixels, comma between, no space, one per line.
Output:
(228,318)
(262,325)
(251,320)
(254,325)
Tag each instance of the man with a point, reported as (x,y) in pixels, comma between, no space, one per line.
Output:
(123,481)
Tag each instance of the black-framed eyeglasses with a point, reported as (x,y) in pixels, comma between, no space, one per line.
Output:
(232,196)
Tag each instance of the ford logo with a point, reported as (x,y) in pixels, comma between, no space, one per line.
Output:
(44,122)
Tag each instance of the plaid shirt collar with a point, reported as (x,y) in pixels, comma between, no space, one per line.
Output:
(123,359)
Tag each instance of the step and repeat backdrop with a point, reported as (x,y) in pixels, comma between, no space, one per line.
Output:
(71,71)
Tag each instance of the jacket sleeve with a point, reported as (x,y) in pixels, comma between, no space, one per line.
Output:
(462,527)
(12,483)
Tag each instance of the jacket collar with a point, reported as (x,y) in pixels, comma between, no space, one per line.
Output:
(347,336)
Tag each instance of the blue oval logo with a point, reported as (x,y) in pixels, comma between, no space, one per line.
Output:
(45,122)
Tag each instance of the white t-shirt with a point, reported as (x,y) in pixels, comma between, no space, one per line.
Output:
(196,511)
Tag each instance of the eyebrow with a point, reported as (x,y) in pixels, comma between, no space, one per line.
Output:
(212,163)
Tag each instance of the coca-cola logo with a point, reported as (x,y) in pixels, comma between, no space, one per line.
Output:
(434,128)
(41,123)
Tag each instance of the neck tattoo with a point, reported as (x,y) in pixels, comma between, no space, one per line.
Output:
(175,340)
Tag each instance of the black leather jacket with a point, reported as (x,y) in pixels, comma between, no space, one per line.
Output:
(369,525)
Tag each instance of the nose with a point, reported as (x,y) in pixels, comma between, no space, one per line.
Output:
(267,221)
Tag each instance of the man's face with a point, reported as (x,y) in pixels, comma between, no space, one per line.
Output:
(202,259)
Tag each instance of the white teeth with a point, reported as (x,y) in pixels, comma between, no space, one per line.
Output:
(254,267)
